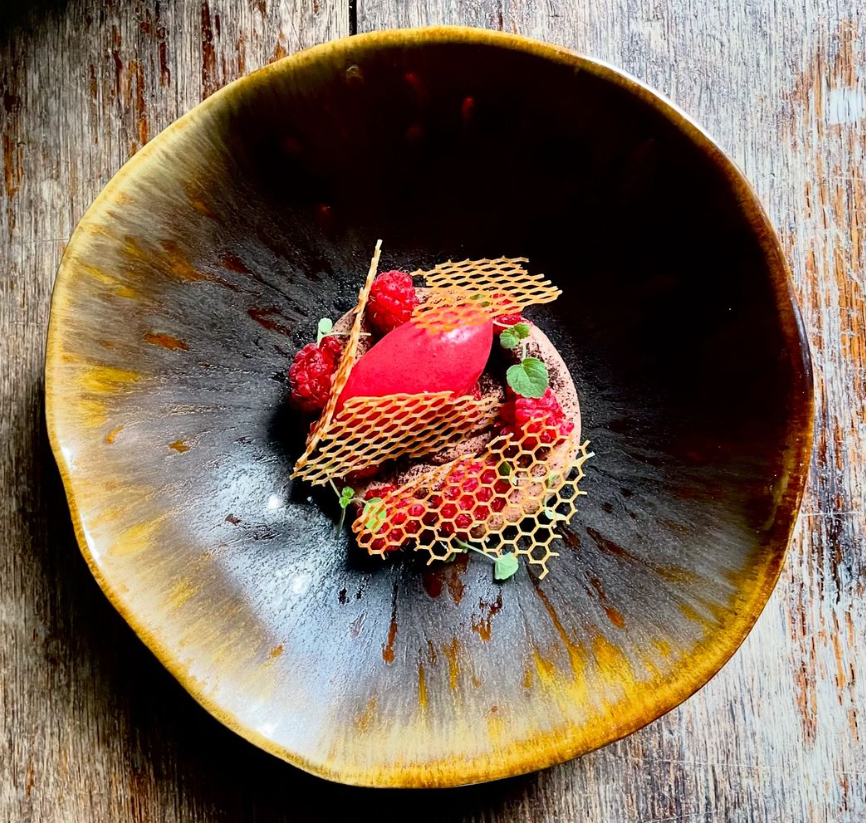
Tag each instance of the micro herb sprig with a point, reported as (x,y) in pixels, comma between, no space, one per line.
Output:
(325,327)
(374,514)
(529,377)
(504,566)
(373,511)
(514,336)
(344,498)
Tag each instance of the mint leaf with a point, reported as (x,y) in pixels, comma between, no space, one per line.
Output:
(521,330)
(528,378)
(509,340)
(505,566)
(504,469)
(324,328)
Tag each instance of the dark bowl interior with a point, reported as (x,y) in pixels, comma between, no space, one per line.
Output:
(206,264)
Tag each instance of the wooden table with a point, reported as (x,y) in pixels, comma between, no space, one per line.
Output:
(94,729)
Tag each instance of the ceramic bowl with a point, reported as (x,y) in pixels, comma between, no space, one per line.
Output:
(206,263)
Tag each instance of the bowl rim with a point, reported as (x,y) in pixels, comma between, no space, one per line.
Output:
(539,753)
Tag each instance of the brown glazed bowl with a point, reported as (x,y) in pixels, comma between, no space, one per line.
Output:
(207,262)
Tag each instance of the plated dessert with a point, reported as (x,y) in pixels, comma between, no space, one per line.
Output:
(444,420)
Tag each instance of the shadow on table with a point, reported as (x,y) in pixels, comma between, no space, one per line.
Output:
(23,13)
(136,723)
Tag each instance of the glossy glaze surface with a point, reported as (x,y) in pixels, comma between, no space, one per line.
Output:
(208,260)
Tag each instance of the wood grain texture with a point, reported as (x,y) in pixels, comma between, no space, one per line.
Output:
(94,729)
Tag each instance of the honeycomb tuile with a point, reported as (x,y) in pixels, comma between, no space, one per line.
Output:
(371,430)
(347,361)
(543,479)
(489,287)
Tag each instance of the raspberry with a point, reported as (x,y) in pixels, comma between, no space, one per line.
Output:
(531,415)
(463,521)
(378,491)
(392,300)
(481,513)
(462,502)
(311,373)
(362,474)
(470,484)
(331,347)
(506,321)
(431,515)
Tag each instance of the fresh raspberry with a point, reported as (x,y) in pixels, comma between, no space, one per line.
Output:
(535,415)
(463,502)
(463,486)
(506,321)
(311,373)
(392,300)
(378,491)
(362,474)
(331,347)
(463,521)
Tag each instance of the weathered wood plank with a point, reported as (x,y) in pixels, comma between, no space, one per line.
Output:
(94,729)
(90,723)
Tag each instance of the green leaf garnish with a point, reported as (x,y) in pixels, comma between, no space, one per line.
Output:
(505,566)
(325,327)
(374,514)
(521,330)
(504,469)
(509,340)
(528,378)
(344,498)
